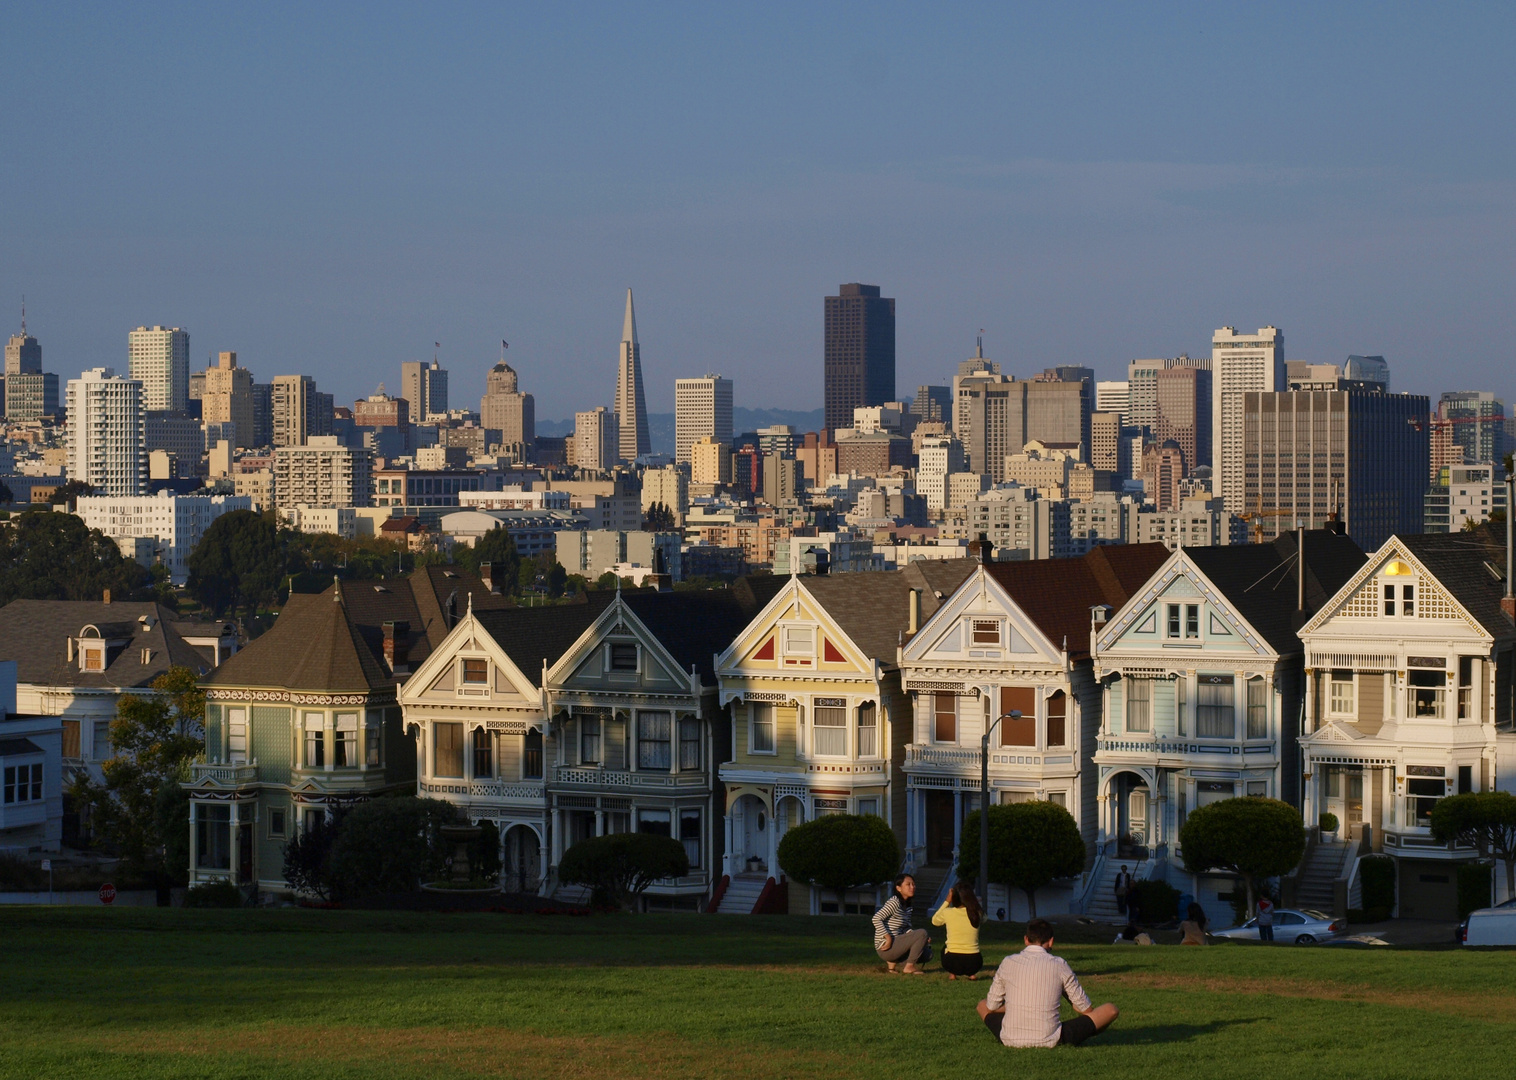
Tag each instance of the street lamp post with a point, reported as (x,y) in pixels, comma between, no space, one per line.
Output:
(984,807)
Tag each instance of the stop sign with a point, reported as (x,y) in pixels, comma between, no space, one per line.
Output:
(107,893)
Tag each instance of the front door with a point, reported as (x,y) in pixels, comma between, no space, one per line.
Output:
(1353,792)
(755,825)
(245,853)
(939,826)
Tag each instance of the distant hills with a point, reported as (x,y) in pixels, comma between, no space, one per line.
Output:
(660,426)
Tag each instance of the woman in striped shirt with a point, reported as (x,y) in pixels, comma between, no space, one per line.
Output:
(894,940)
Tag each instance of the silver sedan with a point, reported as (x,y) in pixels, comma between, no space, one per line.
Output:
(1303,926)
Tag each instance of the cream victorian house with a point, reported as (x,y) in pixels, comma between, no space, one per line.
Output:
(1408,671)
(819,721)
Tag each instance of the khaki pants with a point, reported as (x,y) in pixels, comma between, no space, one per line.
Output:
(907,946)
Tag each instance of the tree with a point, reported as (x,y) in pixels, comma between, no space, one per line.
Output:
(1254,838)
(658,518)
(68,494)
(618,868)
(496,548)
(1032,844)
(1485,819)
(840,852)
(308,858)
(51,556)
(238,563)
(155,739)
(607,581)
(557,578)
(391,845)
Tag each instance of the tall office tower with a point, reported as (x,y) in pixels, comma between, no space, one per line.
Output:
(505,409)
(106,433)
(1368,369)
(1114,397)
(1184,413)
(711,461)
(934,404)
(859,344)
(1240,364)
(1109,452)
(702,407)
(425,388)
(941,456)
(159,359)
(263,414)
(228,399)
(178,434)
(1058,410)
(324,417)
(1480,426)
(1162,469)
(293,404)
(29,393)
(597,439)
(1142,386)
(1308,454)
(631,405)
(978,400)
(1300,375)
(23,356)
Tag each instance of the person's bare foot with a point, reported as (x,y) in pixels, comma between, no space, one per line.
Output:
(912,969)
(952,977)
(891,968)
(973,978)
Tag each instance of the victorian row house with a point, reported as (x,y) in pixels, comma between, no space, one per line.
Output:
(1201,673)
(305,720)
(819,719)
(1009,651)
(1408,699)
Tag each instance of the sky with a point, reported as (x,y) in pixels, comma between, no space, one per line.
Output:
(330,189)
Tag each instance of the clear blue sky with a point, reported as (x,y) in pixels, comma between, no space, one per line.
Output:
(329,189)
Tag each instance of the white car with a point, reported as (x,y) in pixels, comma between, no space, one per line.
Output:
(1304,926)
(1490,926)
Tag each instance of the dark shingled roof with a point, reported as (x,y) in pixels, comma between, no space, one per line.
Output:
(1057,594)
(1458,562)
(1261,582)
(35,634)
(531,636)
(873,609)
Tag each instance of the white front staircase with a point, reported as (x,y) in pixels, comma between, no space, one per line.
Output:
(1103,896)
(742,894)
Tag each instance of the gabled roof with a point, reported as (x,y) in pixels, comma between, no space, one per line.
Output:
(35,634)
(1261,580)
(1057,594)
(1461,564)
(534,636)
(873,609)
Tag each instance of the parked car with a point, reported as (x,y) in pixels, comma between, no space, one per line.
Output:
(1303,926)
(1490,926)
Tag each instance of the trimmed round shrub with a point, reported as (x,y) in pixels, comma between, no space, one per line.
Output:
(1032,844)
(1254,838)
(841,852)
(1328,822)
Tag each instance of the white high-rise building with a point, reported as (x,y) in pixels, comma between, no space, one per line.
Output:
(107,436)
(941,456)
(321,472)
(1114,397)
(175,523)
(702,407)
(596,439)
(159,359)
(1240,364)
(631,404)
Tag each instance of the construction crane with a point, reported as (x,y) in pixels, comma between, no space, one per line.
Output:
(1258,513)
(1435,421)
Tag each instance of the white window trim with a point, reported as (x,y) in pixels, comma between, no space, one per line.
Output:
(752,723)
(463,688)
(786,652)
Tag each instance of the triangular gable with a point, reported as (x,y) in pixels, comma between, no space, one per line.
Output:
(1361,596)
(1139,626)
(580,666)
(961,629)
(767,645)
(432,681)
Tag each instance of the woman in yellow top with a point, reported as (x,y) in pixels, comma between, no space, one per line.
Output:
(961,915)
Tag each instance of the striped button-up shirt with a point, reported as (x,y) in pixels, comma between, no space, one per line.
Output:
(1029,985)
(891,920)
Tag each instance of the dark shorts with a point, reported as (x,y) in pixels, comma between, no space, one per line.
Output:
(1072,1033)
(958,963)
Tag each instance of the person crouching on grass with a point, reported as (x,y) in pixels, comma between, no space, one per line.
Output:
(1022,1006)
(961,915)
(894,940)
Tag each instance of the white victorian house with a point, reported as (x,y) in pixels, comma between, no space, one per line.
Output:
(1013,637)
(1408,698)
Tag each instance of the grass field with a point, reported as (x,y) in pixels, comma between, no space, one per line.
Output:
(94,993)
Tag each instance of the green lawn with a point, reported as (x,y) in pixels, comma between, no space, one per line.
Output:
(94,993)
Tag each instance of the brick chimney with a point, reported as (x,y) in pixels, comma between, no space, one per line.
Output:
(487,575)
(397,646)
(106,597)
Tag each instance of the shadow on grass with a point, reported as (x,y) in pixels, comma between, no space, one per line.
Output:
(1167,1033)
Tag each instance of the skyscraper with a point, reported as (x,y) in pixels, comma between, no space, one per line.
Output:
(425,388)
(934,404)
(631,405)
(293,409)
(506,409)
(159,359)
(107,433)
(702,407)
(1481,424)
(596,439)
(1240,364)
(29,393)
(859,352)
(228,399)
(1184,414)
(23,356)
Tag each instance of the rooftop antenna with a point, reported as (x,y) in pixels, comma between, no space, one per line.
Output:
(979,345)
(23,314)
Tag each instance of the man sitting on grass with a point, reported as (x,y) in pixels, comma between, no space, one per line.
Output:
(1022,1006)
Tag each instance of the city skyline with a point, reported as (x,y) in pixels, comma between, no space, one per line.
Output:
(1374,213)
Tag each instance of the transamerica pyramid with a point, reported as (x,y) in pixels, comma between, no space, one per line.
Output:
(631,404)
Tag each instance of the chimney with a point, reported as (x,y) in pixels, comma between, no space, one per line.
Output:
(397,646)
(106,598)
(487,575)
(914,622)
(982,549)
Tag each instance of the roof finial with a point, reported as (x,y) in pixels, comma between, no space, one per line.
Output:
(471,603)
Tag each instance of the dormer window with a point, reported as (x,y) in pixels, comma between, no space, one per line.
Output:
(92,656)
(476,670)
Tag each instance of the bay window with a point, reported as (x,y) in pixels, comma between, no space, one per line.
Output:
(761,728)
(829,731)
(345,748)
(868,730)
(447,750)
(1139,705)
(654,735)
(1216,710)
(1258,709)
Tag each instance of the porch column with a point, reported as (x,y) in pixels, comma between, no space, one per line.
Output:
(1309,800)
(773,833)
(957,815)
(1310,703)
(729,856)
(543,851)
(194,853)
(1102,810)
(599,822)
(235,816)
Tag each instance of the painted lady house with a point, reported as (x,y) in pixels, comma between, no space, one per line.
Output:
(580,720)
(1408,699)
(305,719)
(1202,676)
(1013,637)
(819,720)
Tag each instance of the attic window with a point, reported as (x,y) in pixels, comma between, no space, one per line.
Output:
(623,656)
(986,632)
(799,641)
(91,658)
(449,573)
(476,670)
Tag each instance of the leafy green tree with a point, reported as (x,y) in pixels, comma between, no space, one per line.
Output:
(391,845)
(155,739)
(496,548)
(658,518)
(308,858)
(618,868)
(45,555)
(607,581)
(1485,819)
(575,583)
(68,494)
(1032,844)
(840,852)
(1254,838)
(556,579)
(238,563)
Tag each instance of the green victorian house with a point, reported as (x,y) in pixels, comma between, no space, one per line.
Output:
(305,719)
